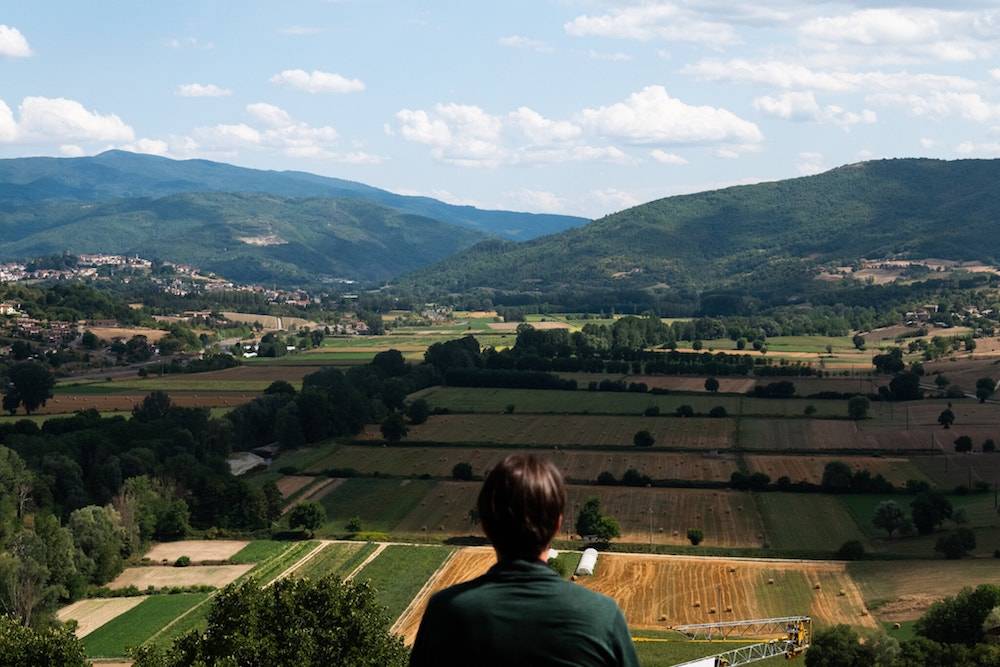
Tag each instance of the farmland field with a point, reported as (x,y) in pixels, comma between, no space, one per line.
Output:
(810,468)
(576,465)
(291,484)
(656,592)
(92,613)
(399,572)
(692,383)
(114,638)
(258,551)
(338,559)
(462,399)
(166,575)
(196,550)
(565,430)
(807,522)
(961,469)
(124,402)
(380,503)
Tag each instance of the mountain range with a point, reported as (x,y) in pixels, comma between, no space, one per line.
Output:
(752,237)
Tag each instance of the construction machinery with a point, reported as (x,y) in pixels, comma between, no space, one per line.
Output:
(787,636)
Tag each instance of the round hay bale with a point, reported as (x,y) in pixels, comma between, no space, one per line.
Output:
(732,569)
(770,582)
(712,610)
(663,617)
(864,612)
(842,593)
(897,626)
(697,603)
(729,609)
(817,587)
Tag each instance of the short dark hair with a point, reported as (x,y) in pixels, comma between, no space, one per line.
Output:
(520,505)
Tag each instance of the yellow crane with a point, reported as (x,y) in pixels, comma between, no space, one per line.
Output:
(787,636)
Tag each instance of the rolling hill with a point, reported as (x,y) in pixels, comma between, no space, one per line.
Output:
(119,174)
(242,236)
(752,237)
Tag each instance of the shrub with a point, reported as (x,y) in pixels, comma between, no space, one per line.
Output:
(183,561)
(851,550)
(685,411)
(353,525)
(652,411)
(462,471)
(718,412)
(643,439)
(695,536)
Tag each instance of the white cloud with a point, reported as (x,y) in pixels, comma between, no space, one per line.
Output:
(269,114)
(802,106)
(987,149)
(664,157)
(189,43)
(939,105)
(202,90)
(910,32)
(459,134)
(12,43)
(8,126)
(995,73)
(612,199)
(810,163)
(926,142)
(782,74)
(317,81)
(227,136)
(652,116)
(539,201)
(614,57)
(663,21)
(72,150)
(150,146)
(527,43)
(542,130)
(53,119)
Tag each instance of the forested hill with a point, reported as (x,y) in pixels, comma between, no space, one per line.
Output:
(119,174)
(753,237)
(244,237)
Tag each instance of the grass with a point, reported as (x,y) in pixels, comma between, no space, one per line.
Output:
(380,503)
(338,559)
(400,572)
(807,522)
(666,649)
(906,632)
(116,637)
(258,551)
(269,570)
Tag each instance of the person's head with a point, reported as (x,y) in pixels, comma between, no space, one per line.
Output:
(521,506)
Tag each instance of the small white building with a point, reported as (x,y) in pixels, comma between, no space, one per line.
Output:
(587,563)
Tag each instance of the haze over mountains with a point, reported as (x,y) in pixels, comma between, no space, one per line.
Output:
(755,236)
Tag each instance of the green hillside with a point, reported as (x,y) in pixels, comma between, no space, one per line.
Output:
(753,237)
(246,237)
(120,174)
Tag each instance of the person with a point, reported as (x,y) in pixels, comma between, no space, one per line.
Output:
(521,612)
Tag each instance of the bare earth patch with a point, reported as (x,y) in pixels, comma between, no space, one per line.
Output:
(292,483)
(93,613)
(160,576)
(197,550)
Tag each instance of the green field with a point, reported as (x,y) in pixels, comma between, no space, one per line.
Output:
(114,638)
(338,559)
(399,572)
(807,521)
(269,570)
(666,649)
(258,551)
(462,399)
(380,503)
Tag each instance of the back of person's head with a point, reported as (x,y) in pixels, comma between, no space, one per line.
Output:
(521,504)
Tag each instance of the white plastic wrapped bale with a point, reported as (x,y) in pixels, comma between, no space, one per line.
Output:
(587,563)
(552,554)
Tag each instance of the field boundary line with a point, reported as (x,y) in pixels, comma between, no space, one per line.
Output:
(294,566)
(372,556)
(431,581)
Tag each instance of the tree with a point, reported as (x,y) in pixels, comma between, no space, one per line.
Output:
(941,381)
(97,535)
(308,516)
(275,501)
(889,516)
(462,471)
(288,427)
(889,363)
(295,621)
(839,646)
(155,406)
(851,550)
(859,341)
(390,363)
(837,477)
(712,385)
(697,345)
(959,619)
(946,418)
(394,428)
(643,439)
(684,411)
(30,384)
(695,536)
(280,387)
(809,411)
(89,340)
(857,407)
(353,525)
(591,523)
(718,412)
(418,411)
(929,510)
(963,444)
(985,388)
(957,544)
(989,446)
(56,645)
(906,387)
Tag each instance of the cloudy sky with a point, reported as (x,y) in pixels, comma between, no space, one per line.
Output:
(574,106)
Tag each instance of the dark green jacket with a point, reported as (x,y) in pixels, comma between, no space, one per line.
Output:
(522,614)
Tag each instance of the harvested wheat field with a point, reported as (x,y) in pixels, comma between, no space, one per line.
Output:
(576,465)
(92,613)
(290,484)
(656,592)
(68,403)
(512,326)
(564,430)
(692,383)
(197,550)
(165,575)
(810,468)
(799,434)
(111,333)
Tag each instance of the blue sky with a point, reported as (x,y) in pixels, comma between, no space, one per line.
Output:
(574,106)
